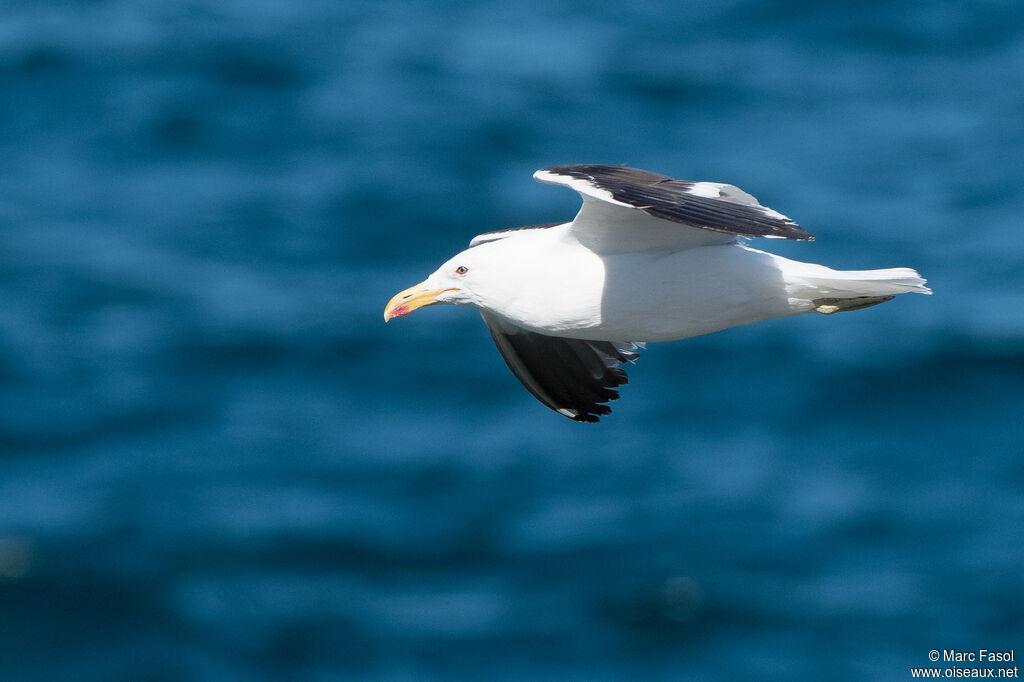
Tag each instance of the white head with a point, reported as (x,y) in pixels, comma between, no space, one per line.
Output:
(462,280)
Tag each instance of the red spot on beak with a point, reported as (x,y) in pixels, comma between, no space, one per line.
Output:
(400,310)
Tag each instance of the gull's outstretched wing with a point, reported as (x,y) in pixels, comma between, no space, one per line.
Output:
(573,377)
(627,209)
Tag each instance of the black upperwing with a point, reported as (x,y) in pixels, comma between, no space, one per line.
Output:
(706,205)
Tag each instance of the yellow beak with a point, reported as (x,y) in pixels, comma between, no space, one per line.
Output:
(404,302)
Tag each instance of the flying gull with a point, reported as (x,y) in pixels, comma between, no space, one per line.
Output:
(647,258)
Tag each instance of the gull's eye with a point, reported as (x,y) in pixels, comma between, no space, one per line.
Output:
(461,270)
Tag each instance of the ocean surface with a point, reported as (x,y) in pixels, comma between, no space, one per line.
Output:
(218,463)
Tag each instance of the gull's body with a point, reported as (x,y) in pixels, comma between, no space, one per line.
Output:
(647,258)
(582,294)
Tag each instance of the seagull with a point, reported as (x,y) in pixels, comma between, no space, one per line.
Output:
(647,258)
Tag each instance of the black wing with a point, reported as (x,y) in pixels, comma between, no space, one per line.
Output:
(706,205)
(571,376)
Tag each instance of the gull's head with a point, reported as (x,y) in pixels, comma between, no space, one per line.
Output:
(461,280)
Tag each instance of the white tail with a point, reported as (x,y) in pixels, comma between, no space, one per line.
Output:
(810,281)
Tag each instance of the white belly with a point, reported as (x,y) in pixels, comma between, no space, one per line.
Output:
(655,297)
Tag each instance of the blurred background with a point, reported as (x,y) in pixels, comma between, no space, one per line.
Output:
(217,463)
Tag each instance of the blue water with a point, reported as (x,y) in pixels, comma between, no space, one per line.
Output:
(219,464)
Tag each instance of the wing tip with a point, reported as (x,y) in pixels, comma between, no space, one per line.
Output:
(791,232)
(591,416)
(495,235)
